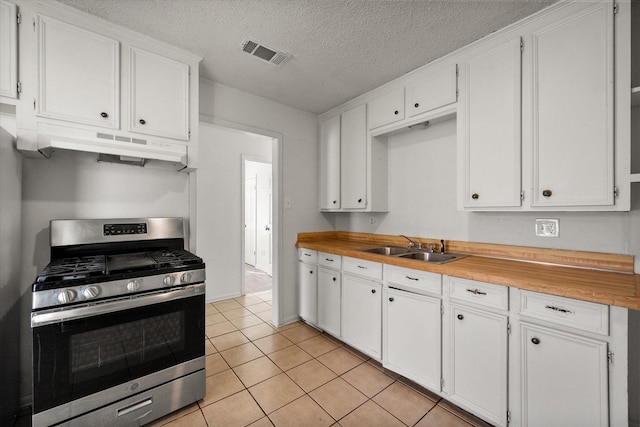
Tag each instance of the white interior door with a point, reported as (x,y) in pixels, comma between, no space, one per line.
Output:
(250,220)
(264,219)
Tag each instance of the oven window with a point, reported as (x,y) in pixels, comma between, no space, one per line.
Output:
(77,358)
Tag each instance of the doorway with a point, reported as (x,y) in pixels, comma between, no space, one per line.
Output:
(258,225)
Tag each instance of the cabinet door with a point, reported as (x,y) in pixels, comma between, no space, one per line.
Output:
(387,109)
(329,296)
(353,154)
(330,164)
(478,362)
(572,117)
(435,90)
(362,314)
(8,50)
(412,337)
(79,75)
(159,95)
(308,291)
(564,378)
(489,122)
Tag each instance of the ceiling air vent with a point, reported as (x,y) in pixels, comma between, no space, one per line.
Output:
(263,52)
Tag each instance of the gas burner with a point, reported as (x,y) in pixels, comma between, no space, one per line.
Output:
(73,268)
(174,258)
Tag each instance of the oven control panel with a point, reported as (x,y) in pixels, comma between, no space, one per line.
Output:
(120,229)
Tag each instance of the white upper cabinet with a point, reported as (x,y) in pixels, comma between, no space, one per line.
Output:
(330,164)
(159,95)
(353,158)
(432,90)
(387,109)
(489,137)
(572,128)
(79,73)
(8,50)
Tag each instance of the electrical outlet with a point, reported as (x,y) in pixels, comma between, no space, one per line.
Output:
(547,227)
(373,220)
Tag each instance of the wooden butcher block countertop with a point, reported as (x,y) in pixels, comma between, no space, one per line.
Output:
(589,276)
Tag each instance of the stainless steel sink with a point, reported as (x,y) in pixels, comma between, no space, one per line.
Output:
(386,250)
(432,257)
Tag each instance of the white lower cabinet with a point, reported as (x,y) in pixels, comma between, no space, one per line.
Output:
(307,285)
(329,300)
(362,314)
(478,361)
(564,378)
(412,336)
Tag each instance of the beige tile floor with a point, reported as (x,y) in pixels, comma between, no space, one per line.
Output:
(259,375)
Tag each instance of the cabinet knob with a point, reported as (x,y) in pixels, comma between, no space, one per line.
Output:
(359,200)
(396,112)
(334,279)
(142,121)
(547,193)
(104,115)
(335,201)
(475,196)
(460,317)
(416,105)
(391,299)
(536,341)
(311,272)
(373,291)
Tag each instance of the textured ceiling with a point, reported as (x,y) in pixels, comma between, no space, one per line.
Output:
(341,48)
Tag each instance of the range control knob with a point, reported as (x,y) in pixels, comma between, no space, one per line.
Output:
(168,280)
(91,292)
(66,296)
(185,278)
(133,286)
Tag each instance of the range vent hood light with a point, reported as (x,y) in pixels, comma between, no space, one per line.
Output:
(265,53)
(420,126)
(123,160)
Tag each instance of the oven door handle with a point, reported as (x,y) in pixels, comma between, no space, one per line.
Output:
(48,317)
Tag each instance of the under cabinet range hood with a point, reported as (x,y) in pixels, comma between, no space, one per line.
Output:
(108,143)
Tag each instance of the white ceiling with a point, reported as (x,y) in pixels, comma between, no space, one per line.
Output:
(341,48)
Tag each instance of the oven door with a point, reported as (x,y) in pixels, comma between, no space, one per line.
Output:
(84,350)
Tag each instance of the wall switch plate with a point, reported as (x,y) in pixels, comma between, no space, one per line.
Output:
(373,220)
(547,227)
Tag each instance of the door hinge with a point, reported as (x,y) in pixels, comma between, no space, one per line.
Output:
(610,357)
(457,93)
(615,8)
(34,25)
(18,18)
(34,103)
(615,192)
(441,383)
(509,328)
(508,417)
(441,310)
(522,196)
(457,71)
(521,45)
(19,87)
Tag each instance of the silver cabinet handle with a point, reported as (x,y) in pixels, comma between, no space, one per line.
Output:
(476,291)
(362,267)
(134,407)
(412,278)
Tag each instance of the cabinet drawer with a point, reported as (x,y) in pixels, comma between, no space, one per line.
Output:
(480,293)
(308,255)
(361,267)
(330,260)
(413,280)
(583,315)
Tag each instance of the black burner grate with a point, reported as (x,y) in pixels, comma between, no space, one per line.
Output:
(73,268)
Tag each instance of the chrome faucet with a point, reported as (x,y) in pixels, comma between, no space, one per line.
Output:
(441,246)
(411,243)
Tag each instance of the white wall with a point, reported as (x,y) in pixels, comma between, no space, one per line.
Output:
(298,171)
(10,242)
(219,202)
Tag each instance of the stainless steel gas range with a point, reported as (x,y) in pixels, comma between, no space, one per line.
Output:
(118,323)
